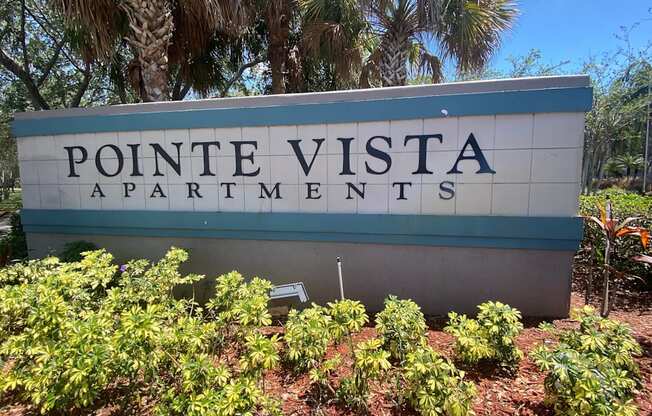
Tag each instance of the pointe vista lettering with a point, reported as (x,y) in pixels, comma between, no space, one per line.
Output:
(126,162)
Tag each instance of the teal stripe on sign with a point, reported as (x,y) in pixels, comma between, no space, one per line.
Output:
(507,102)
(545,233)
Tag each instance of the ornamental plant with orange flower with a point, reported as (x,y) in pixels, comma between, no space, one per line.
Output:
(612,229)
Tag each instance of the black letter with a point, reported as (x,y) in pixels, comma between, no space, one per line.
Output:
(312,189)
(72,162)
(158,150)
(129,186)
(449,189)
(346,156)
(263,189)
(379,154)
(157,189)
(423,150)
(350,186)
(239,157)
(98,160)
(206,155)
(98,190)
(193,188)
(228,189)
(401,186)
(135,170)
(477,155)
(302,160)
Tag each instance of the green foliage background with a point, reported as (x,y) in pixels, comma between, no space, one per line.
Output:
(625,205)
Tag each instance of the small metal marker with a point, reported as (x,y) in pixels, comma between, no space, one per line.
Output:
(339,272)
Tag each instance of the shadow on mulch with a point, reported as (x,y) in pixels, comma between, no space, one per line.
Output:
(484,370)
(537,408)
(646,346)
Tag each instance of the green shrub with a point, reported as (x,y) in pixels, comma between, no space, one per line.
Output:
(239,307)
(239,396)
(13,246)
(320,376)
(73,251)
(71,331)
(370,362)
(261,353)
(401,326)
(591,371)
(490,337)
(624,205)
(348,317)
(433,386)
(307,334)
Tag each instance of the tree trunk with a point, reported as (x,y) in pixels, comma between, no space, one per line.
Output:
(394,48)
(151,31)
(278,23)
(277,66)
(589,279)
(606,304)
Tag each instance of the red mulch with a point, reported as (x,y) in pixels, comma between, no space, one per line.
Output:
(498,394)
(521,394)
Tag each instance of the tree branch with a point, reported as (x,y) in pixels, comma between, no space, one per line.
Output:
(184,92)
(176,89)
(53,60)
(83,86)
(52,36)
(34,94)
(23,36)
(238,74)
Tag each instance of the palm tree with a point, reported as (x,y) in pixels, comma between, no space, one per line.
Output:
(629,163)
(159,33)
(306,37)
(465,30)
(612,168)
(279,15)
(337,34)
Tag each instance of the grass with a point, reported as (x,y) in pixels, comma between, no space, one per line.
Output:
(13,203)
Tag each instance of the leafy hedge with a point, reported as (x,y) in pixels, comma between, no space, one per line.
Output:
(490,337)
(591,371)
(73,333)
(624,205)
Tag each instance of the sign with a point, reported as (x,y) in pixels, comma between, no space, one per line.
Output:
(474,165)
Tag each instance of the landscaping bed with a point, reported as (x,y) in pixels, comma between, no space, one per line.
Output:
(522,394)
(90,336)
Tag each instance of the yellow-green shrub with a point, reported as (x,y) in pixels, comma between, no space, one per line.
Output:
(492,336)
(307,334)
(401,326)
(433,386)
(591,371)
(69,331)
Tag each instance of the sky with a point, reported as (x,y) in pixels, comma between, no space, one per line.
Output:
(574,29)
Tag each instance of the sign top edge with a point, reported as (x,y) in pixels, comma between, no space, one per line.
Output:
(466,87)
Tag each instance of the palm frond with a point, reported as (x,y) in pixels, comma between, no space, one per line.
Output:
(430,65)
(101,21)
(470,30)
(196,22)
(333,32)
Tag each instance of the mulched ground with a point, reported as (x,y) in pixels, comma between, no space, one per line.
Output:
(521,394)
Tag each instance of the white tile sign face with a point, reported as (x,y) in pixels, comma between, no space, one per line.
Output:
(516,165)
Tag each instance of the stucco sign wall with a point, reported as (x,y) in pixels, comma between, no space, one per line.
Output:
(390,166)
